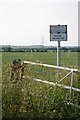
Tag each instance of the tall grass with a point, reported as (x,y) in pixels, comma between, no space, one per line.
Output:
(29,99)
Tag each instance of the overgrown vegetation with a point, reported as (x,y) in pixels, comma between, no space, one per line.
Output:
(29,99)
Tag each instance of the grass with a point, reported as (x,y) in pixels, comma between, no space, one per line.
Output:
(29,99)
(68,59)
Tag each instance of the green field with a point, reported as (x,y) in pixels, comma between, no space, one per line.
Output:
(29,99)
(68,59)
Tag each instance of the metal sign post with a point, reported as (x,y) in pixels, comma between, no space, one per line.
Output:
(58,54)
(58,33)
(58,60)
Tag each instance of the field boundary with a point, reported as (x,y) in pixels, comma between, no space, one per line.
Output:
(56,67)
(71,71)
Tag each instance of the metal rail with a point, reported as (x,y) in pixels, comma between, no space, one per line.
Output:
(57,83)
(60,85)
(51,66)
(71,71)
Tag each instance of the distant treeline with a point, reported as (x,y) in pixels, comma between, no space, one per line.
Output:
(37,49)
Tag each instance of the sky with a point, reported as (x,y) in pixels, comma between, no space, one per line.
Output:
(27,22)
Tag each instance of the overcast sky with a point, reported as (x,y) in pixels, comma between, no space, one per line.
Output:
(27,23)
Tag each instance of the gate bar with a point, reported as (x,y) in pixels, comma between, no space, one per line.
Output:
(52,66)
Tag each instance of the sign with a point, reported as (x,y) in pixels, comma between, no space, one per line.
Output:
(60,37)
(58,32)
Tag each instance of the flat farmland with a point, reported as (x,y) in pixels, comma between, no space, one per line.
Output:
(68,59)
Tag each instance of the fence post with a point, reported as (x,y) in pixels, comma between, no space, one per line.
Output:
(72,77)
